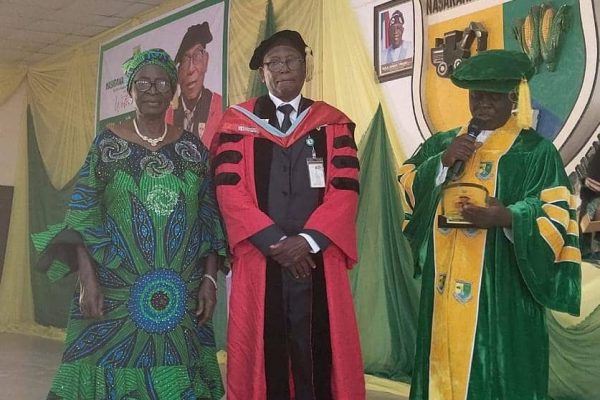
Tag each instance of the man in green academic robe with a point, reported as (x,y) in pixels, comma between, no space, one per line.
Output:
(486,285)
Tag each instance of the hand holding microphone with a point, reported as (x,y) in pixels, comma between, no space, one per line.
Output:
(460,150)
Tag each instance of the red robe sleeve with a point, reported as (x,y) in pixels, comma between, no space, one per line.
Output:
(336,216)
(235,188)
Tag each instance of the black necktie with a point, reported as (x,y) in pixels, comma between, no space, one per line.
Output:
(286,109)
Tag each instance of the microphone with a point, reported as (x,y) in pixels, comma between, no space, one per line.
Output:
(473,131)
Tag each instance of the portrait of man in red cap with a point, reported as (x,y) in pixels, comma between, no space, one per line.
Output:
(196,108)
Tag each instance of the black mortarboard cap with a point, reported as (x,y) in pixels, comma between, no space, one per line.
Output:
(196,34)
(286,37)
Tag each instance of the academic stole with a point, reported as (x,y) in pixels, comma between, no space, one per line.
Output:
(459,258)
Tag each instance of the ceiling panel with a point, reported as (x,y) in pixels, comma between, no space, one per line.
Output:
(60,27)
(31,30)
(14,23)
(34,58)
(135,8)
(95,7)
(106,21)
(70,40)
(35,36)
(22,10)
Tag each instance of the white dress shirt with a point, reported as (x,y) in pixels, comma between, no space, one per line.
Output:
(295,102)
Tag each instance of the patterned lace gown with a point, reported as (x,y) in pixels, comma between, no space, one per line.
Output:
(148,218)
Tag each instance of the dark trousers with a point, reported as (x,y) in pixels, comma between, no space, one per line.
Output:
(296,334)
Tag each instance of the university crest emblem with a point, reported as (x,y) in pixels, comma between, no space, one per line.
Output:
(485,170)
(463,291)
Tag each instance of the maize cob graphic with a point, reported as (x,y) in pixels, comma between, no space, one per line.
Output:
(526,32)
(552,25)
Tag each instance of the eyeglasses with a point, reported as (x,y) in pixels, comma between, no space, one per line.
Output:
(291,63)
(197,57)
(144,85)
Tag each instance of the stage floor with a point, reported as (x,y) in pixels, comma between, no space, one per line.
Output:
(28,363)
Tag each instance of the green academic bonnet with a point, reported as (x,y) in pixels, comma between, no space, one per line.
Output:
(498,71)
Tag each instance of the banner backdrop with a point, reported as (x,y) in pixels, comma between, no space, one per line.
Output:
(167,32)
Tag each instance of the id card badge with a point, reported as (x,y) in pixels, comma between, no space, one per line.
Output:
(316,172)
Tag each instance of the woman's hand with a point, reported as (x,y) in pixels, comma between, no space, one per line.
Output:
(207,294)
(207,301)
(91,298)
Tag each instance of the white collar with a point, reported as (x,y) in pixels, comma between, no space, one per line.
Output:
(483,136)
(295,102)
(195,105)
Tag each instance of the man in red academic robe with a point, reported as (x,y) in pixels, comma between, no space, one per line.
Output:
(286,176)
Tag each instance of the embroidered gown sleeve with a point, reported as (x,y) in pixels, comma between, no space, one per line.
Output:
(417,177)
(83,224)
(545,230)
(212,232)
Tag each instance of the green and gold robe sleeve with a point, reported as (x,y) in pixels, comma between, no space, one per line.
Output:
(545,232)
(417,177)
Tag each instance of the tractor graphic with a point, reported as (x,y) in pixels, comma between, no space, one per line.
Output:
(449,51)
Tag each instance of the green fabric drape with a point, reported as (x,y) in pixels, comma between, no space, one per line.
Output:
(386,296)
(574,358)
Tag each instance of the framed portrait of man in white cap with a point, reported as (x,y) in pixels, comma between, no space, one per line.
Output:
(394,33)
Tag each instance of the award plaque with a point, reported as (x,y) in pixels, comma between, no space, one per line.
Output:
(454,196)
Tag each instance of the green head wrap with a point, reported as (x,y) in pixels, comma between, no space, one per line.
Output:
(149,57)
(498,71)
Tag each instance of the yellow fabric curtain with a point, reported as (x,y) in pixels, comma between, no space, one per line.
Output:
(349,80)
(245,18)
(15,288)
(62,99)
(10,80)
(16,300)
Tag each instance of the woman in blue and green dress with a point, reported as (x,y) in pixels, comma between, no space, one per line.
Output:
(144,234)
